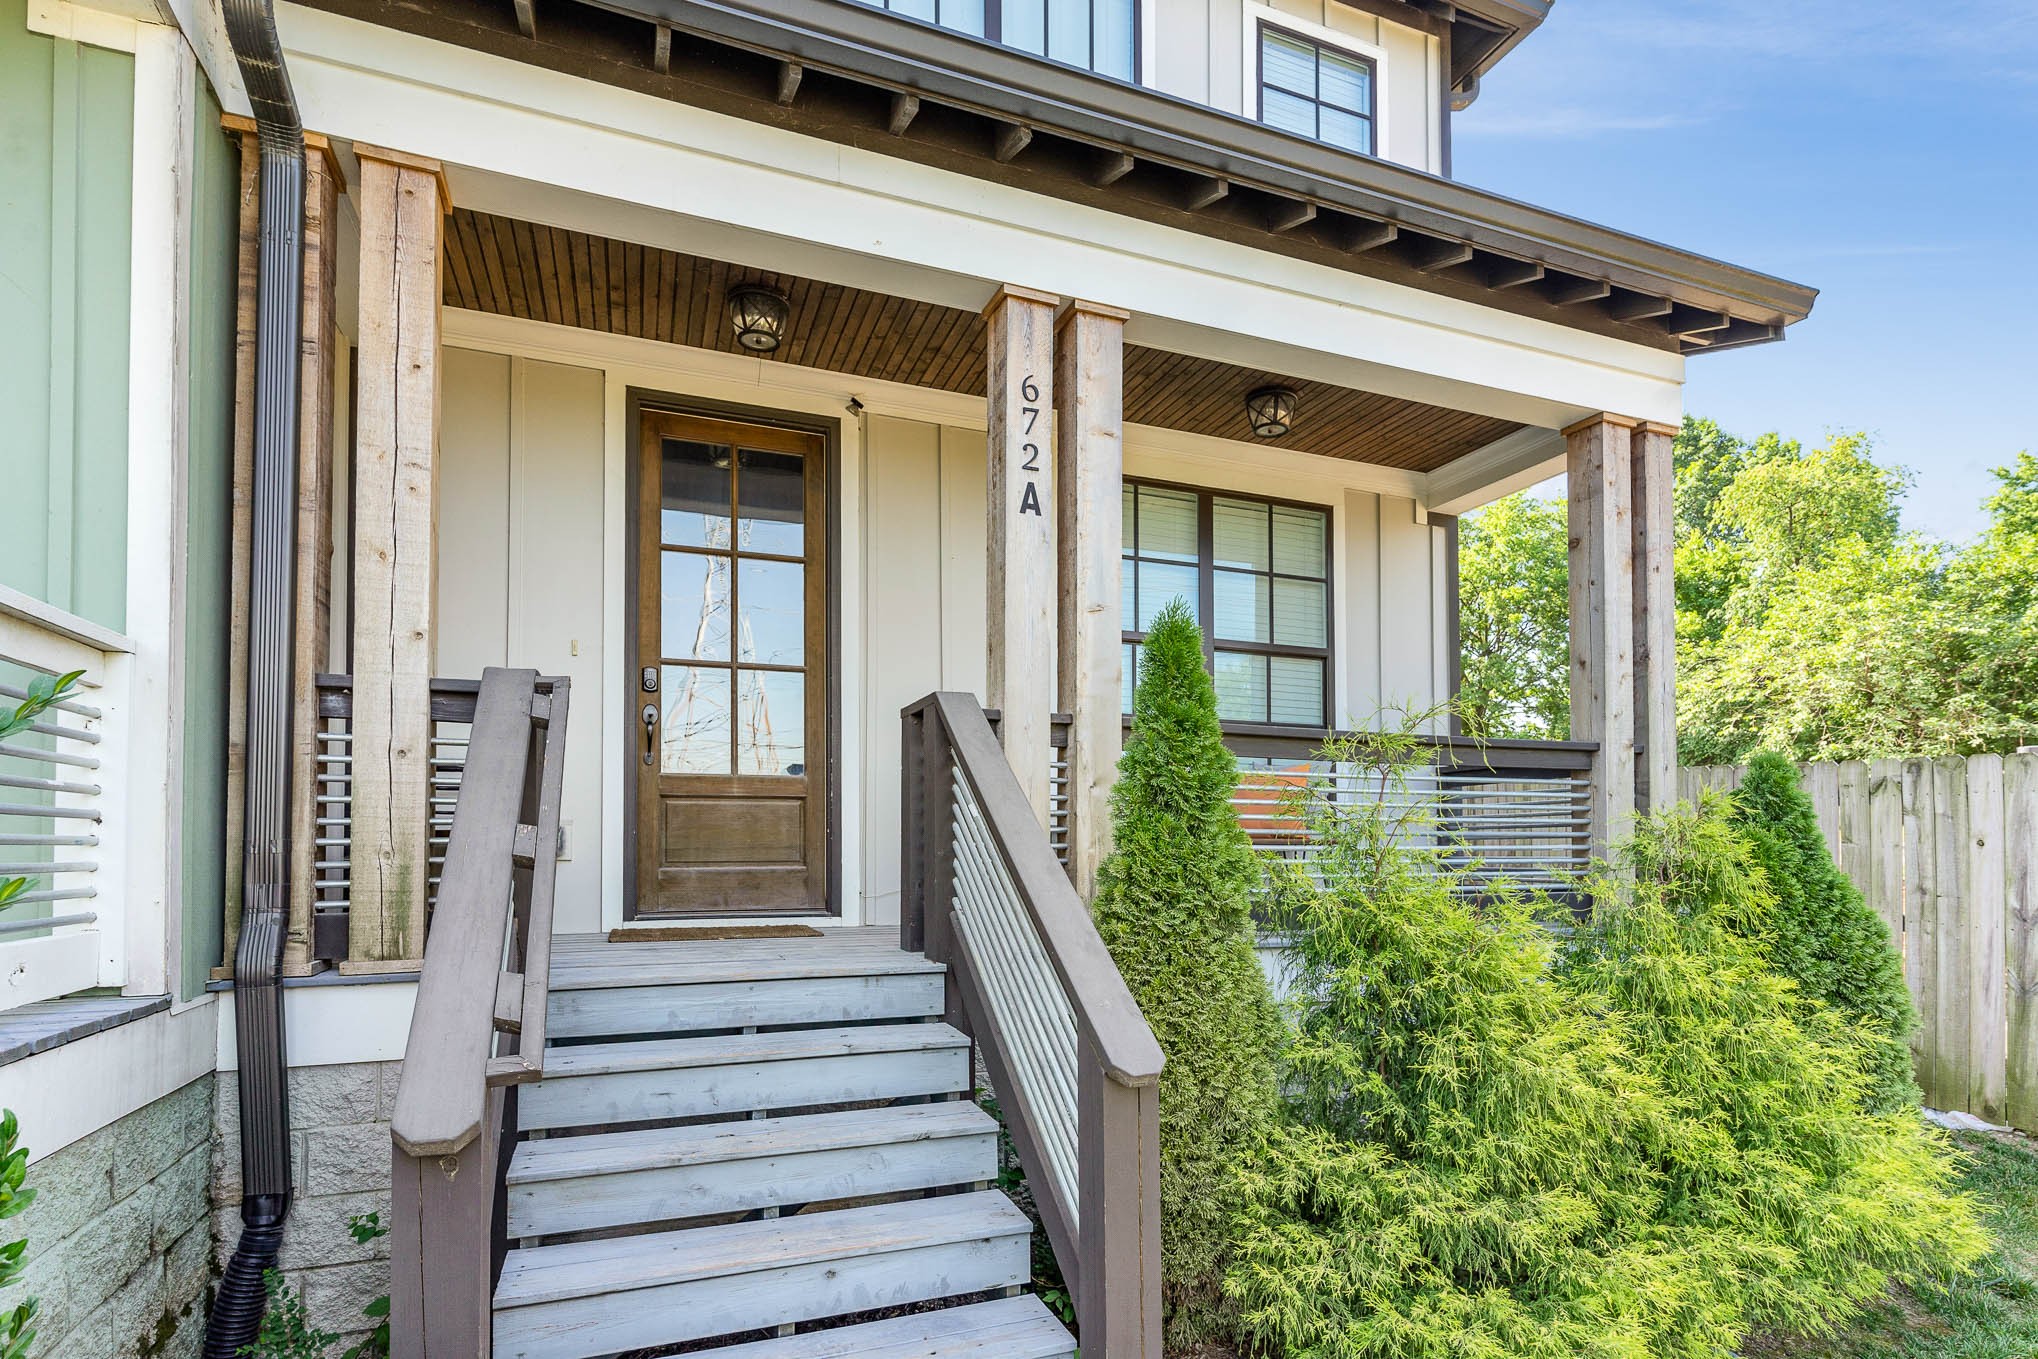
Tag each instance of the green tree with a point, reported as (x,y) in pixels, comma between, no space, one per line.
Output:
(1174,907)
(1514,627)
(1821,933)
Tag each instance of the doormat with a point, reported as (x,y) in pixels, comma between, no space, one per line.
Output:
(661,934)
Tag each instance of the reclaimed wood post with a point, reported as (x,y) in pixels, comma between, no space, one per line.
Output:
(1655,615)
(323,185)
(1602,617)
(1021,574)
(1987,1094)
(1118,1304)
(1089,385)
(403,206)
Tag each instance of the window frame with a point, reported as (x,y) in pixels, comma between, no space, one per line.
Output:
(1260,20)
(994,25)
(1206,598)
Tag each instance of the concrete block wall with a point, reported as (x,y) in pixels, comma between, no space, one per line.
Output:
(119,1242)
(339,1120)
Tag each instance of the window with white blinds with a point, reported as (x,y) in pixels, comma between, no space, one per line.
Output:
(1256,573)
(1314,90)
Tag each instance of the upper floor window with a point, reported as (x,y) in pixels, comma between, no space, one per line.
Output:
(1256,573)
(1101,35)
(1315,90)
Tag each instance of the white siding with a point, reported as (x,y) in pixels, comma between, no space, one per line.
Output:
(520,561)
(1201,51)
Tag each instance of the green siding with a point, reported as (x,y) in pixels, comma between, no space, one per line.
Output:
(215,248)
(66,158)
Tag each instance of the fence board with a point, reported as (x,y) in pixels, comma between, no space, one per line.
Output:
(1921,914)
(1821,783)
(1951,1070)
(1987,988)
(1884,884)
(2020,911)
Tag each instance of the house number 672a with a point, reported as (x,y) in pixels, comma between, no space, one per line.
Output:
(1029,413)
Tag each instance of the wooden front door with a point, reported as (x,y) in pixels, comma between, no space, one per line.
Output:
(731,669)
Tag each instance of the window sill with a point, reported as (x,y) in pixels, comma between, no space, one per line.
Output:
(29,1029)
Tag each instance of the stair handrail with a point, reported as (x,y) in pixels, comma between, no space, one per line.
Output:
(478,1024)
(974,847)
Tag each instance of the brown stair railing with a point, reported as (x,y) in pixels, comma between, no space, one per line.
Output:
(478,1028)
(1074,1066)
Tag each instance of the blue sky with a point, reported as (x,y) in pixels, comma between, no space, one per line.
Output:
(1886,154)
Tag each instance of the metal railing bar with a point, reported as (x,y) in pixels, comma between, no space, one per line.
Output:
(47,923)
(55,894)
(49,785)
(69,705)
(35,756)
(34,812)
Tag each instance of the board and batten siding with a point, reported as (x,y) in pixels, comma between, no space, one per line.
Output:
(521,547)
(66,196)
(1200,52)
(520,562)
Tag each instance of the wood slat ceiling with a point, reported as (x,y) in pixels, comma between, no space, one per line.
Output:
(517,268)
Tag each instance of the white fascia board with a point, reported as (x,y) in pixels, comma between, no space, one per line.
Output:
(332,1023)
(939,236)
(1514,463)
(203,23)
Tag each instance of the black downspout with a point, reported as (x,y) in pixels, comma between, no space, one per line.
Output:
(265,892)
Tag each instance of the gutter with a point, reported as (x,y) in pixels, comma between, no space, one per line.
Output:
(266,1187)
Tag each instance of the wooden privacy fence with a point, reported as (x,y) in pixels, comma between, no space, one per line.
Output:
(1946,851)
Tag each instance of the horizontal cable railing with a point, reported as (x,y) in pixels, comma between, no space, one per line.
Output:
(1070,1057)
(452,713)
(478,1026)
(1515,812)
(55,810)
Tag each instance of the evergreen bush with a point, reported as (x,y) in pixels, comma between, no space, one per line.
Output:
(1640,1144)
(1822,934)
(1174,907)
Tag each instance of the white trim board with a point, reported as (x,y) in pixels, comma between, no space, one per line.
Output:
(329,1024)
(550,147)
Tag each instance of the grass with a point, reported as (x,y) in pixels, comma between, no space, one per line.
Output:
(1991,1313)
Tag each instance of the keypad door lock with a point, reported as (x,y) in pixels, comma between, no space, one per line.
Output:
(648,679)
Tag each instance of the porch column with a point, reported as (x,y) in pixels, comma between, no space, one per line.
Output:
(322,187)
(1021,568)
(1089,388)
(1602,616)
(1655,614)
(403,204)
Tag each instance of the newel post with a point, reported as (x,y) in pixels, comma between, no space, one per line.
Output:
(441,1256)
(1118,1293)
(1602,581)
(1020,506)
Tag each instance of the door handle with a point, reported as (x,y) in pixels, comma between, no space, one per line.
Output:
(650,716)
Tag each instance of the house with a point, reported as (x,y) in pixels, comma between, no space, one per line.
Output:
(721,454)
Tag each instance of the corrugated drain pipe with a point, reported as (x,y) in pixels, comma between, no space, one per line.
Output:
(265,892)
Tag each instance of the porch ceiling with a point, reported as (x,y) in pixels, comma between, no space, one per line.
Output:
(523,269)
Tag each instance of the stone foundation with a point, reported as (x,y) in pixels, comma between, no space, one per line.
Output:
(339,1121)
(119,1245)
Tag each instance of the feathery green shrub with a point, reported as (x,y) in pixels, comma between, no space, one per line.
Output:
(1822,934)
(1173,906)
(1643,1145)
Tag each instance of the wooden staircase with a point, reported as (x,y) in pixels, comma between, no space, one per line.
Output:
(745,1137)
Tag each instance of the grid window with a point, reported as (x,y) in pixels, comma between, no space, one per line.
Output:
(1316,91)
(1098,35)
(1256,575)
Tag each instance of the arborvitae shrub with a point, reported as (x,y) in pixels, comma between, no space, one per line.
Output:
(1641,1144)
(1174,906)
(1822,934)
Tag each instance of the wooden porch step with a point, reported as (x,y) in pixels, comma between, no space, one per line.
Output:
(599,1009)
(598,1084)
(619,1179)
(594,1298)
(1009,1328)
(589,962)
